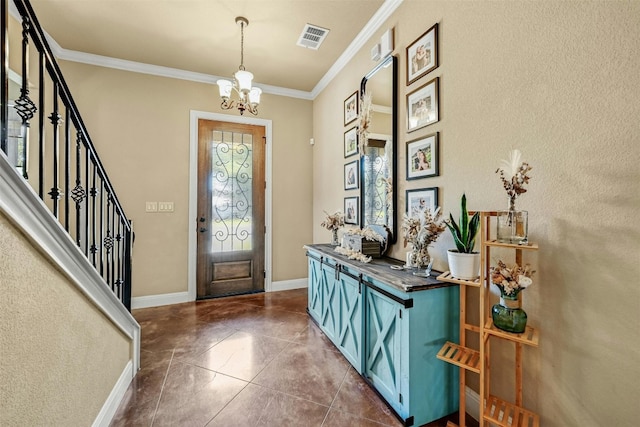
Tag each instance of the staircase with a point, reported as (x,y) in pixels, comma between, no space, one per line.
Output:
(67,243)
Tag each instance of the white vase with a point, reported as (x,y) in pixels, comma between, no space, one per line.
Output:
(464,266)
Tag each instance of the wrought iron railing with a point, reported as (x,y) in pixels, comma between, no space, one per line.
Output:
(43,135)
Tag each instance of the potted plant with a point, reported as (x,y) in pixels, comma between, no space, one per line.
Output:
(464,263)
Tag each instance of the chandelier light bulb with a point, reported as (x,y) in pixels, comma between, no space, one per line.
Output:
(243,78)
(254,96)
(224,86)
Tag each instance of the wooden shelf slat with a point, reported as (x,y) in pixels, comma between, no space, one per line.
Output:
(451,424)
(493,242)
(505,414)
(460,356)
(447,277)
(530,336)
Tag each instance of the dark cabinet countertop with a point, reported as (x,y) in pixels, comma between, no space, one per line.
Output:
(380,269)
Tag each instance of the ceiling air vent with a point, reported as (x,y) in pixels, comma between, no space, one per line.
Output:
(312,36)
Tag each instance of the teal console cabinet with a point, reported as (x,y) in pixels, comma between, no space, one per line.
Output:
(335,303)
(390,326)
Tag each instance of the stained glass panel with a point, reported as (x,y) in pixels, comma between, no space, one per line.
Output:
(231,186)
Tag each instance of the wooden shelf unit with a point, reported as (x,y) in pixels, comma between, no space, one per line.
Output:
(502,413)
(461,356)
(493,410)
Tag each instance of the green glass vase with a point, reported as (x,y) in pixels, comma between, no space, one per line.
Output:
(507,315)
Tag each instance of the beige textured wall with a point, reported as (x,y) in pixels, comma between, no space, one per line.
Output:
(559,81)
(59,356)
(140,126)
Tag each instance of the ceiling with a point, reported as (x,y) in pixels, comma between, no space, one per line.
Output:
(201,35)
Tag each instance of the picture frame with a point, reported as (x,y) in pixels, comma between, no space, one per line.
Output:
(352,210)
(422,55)
(351,173)
(351,108)
(422,105)
(419,199)
(423,157)
(351,142)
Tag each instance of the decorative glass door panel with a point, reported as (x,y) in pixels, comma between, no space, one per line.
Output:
(231,179)
(376,188)
(231,209)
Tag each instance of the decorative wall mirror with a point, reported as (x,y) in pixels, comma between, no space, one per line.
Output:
(378,186)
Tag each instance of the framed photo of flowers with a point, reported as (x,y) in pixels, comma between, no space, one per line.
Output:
(421,199)
(351,206)
(423,157)
(351,142)
(351,108)
(422,106)
(351,175)
(422,55)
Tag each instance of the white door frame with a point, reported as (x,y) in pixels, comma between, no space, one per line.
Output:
(193,191)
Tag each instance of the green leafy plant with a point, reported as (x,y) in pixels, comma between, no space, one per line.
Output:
(464,235)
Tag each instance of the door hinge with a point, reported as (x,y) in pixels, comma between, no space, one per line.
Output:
(400,313)
(400,397)
(264,274)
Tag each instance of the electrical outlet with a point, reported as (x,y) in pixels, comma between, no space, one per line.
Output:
(151,206)
(165,206)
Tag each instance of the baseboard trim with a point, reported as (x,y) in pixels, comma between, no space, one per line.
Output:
(286,285)
(105,416)
(473,406)
(180,297)
(161,299)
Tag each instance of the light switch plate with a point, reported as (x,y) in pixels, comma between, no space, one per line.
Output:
(151,206)
(165,206)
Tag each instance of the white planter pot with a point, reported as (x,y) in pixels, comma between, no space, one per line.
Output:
(464,266)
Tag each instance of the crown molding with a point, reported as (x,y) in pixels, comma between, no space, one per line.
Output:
(381,15)
(376,21)
(157,70)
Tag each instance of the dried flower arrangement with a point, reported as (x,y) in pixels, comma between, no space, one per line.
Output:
(364,121)
(514,176)
(421,232)
(367,233)
(511,280)
(333,222)
(351,254)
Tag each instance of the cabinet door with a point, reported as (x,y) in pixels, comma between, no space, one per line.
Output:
(349,331)
(383,347)
(330,301)
(314,299)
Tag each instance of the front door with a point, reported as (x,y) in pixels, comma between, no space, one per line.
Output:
(231,225)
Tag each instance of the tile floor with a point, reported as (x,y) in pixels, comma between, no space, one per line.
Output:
(252,360)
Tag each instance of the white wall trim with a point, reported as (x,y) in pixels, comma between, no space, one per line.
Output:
(157,70)
(27,212)
(473,403)
(381,15)
(193,191)
(285,285)
(161,299)
(105,416)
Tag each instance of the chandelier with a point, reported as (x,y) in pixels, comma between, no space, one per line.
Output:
(249,97)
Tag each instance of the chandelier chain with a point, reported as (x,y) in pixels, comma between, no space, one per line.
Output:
(242,46)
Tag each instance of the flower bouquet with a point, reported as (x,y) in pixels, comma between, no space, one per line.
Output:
(333,224)
(513,224)
(420,233)
(508,315)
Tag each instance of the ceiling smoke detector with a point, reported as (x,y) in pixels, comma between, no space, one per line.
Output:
(312,36)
